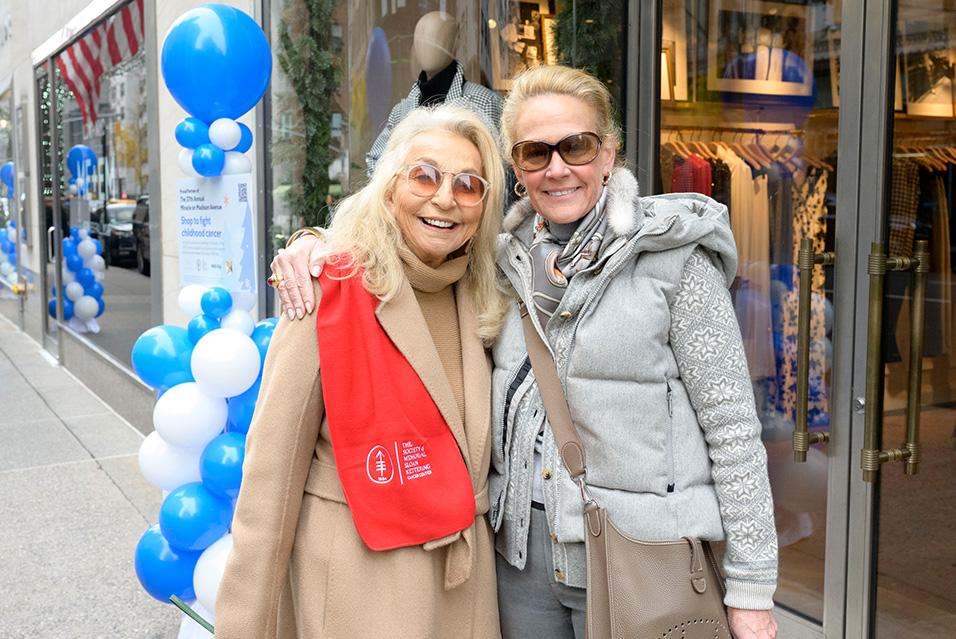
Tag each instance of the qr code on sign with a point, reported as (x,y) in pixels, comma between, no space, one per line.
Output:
(243,194)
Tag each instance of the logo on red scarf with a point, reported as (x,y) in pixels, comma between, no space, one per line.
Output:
(379,466)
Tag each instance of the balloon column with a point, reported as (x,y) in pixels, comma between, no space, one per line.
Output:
(81,162)
(82,278)
(8,254)
(207,376)
(216,63)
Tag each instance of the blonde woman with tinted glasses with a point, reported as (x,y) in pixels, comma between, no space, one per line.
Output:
(631,295)
(364,498)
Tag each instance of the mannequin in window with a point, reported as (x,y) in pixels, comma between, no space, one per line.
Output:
(442,79)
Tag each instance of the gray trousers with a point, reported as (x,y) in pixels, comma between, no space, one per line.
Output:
(531,603)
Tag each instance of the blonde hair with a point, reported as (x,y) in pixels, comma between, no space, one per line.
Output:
(364,227)
(560,80)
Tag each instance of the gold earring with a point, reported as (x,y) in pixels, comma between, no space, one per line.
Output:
(605,180)
(520,189)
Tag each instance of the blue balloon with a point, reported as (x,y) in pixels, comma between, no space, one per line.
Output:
(241,408)
(94,290)
(81,158)
(85,277)
(192,517)
(6,245)
(216,302)
(67,309)
(200,325)
(74,262)
(75,233)
(98,245)
(245,141)
(161,356)
(163,570)
(69,246)
(216,62)
(208,160)
(102,307)
(192,132)
(6,175)
(221,464)
(262,336)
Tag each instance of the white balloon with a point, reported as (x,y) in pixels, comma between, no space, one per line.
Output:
(83,233)
(97,263)
(86,307)
(225,133)
(67,275)
(185,162)
(187,417)
(225,362)
(86,248)
(236,162)
(208,572)
(6,268)
(239,320)
(73,189)
(74,291)
(165,466)
(11,234)
(99,275)
(190,299)
(246,300)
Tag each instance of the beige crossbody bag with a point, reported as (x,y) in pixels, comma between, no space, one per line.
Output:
(635,589)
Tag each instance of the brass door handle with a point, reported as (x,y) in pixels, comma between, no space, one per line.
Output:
(871,457)
(806,260)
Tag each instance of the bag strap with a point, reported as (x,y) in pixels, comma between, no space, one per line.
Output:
(555,402)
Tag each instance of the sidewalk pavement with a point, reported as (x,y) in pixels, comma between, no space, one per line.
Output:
(73,504)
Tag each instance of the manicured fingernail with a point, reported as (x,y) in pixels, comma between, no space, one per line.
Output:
(291,314)
(299,313)
(308,307)
(316,271)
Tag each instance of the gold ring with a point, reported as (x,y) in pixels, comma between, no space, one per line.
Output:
(276,279)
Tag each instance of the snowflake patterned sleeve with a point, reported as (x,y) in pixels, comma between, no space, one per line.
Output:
(710,356)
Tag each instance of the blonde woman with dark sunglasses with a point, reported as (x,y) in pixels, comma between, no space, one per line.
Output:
(631,295)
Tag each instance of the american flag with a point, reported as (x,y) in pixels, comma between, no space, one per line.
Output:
(107,44)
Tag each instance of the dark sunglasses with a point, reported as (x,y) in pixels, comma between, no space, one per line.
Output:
(424,180)
(576,149)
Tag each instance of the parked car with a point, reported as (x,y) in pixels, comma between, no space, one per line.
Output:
(141,233)
(112,224)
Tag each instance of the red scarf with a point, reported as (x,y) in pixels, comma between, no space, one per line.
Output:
(401,469)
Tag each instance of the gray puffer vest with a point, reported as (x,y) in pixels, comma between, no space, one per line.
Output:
(647,458)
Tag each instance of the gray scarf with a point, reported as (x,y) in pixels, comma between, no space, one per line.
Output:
(558,251)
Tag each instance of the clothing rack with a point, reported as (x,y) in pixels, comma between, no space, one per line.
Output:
(732,129)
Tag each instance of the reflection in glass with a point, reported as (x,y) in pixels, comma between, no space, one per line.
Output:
(749,118)
(915,574)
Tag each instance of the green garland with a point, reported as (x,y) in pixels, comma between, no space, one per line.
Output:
(310,63)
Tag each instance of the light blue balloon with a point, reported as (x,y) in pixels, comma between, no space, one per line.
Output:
(241,408)
(200,325)
(161,356)
(162,570)
(216,62)
(208,160)
(192,517)
(245,141)
(221,464)
(216,302)
(192,132)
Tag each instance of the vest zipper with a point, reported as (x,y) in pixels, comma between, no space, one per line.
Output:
(670,437)
(516,380)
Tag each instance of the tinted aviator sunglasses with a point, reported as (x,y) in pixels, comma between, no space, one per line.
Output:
(576,149)
(424,180)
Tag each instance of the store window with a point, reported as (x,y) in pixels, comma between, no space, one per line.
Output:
(8,202)
(749,116)
(104,182)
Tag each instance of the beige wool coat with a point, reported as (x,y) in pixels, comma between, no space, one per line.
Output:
(298,567)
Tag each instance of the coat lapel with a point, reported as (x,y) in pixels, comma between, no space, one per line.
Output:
(476,376)
(403,322)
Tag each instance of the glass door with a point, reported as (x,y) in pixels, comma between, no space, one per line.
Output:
(749,115)
(909,443)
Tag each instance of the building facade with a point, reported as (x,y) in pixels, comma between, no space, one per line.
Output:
(827,127)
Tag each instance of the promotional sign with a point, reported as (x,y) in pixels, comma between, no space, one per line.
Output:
(217,243)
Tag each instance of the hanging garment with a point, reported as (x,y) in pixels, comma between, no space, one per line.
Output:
(682,177)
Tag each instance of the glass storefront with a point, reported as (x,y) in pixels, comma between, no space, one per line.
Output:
(98,107)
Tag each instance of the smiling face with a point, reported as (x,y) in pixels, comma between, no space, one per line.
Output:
(561,192)
(436,226)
